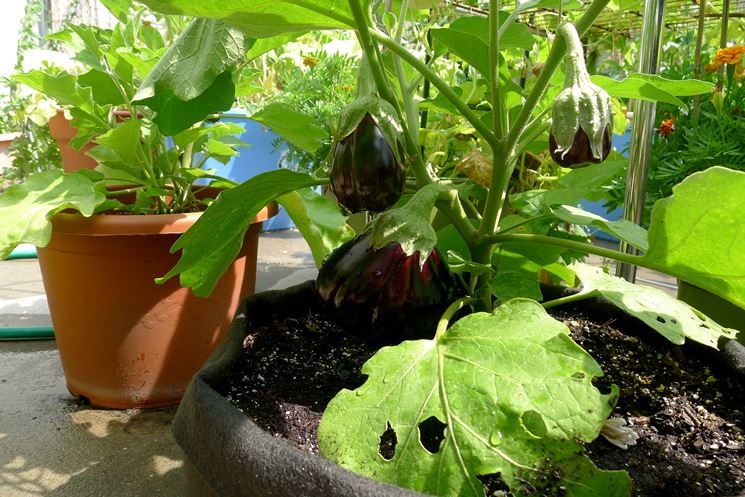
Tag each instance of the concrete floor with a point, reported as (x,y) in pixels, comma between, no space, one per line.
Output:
(52,445)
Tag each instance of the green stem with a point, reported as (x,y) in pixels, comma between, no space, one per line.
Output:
(368,47)
(568,299)
(438,83)
(442,326)
(496,103)
(449,203)
(637,260)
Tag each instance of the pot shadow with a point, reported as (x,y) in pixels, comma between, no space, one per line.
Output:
(53,445)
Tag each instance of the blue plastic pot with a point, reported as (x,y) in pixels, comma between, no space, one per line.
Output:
(260,156)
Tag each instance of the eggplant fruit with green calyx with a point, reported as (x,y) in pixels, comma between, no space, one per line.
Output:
(384,294)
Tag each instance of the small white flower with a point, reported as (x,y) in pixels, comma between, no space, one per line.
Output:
(616,432)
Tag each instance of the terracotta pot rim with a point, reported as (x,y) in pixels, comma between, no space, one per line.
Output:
(148,224)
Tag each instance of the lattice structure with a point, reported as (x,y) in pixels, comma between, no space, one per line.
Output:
(78,11)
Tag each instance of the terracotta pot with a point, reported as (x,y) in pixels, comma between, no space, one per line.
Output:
(124,341)
(6,160)
(63,132)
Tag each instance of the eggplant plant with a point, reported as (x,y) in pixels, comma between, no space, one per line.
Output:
(512,393)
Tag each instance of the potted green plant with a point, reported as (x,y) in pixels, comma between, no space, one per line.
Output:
(512,394)
(104,234)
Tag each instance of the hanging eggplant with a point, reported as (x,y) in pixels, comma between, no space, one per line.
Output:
(581,118)
(384,294)
(368,172)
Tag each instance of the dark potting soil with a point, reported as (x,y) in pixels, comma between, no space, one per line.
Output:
(690,419)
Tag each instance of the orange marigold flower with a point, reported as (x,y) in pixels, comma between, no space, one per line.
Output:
(310,61)
(710,68)
(666,127)
(729,55)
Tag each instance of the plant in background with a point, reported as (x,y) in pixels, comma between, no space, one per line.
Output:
(319,89)
(513,393)
(33,149)
(158,162)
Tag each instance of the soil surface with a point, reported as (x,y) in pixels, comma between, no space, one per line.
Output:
(690,419)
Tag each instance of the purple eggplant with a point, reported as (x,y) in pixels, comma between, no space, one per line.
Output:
(383,294)
(365,174)
(580,153)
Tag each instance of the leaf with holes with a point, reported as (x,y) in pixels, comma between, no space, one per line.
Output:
(672,318)
(503,395)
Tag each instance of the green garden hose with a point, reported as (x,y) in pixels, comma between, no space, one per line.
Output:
(27,333)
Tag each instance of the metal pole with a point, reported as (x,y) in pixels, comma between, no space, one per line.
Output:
(699,46)
(723,36)
(642,127)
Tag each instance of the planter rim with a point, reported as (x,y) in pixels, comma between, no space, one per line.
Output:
(148,224)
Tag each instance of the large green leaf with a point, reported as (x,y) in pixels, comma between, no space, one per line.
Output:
(630,232)
(468,38)
(64,89)
(193,78)
(653,88)
(297,128)
(211,245)
(697,234)
(205,50)
(515,276)
(175,115)
(672,318)
(264,19)
(503,415)
(319,220)
(26,209)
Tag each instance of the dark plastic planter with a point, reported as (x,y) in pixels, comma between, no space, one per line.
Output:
(227,455)
(723,312)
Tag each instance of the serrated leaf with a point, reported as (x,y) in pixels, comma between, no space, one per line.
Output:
(409,225)
(503,414)
(119,144)
(206,49)
(297,128)
(697,233)
(213,242)
(319,220)
(630,232)
(64,89)
(672,318)
(26,209)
